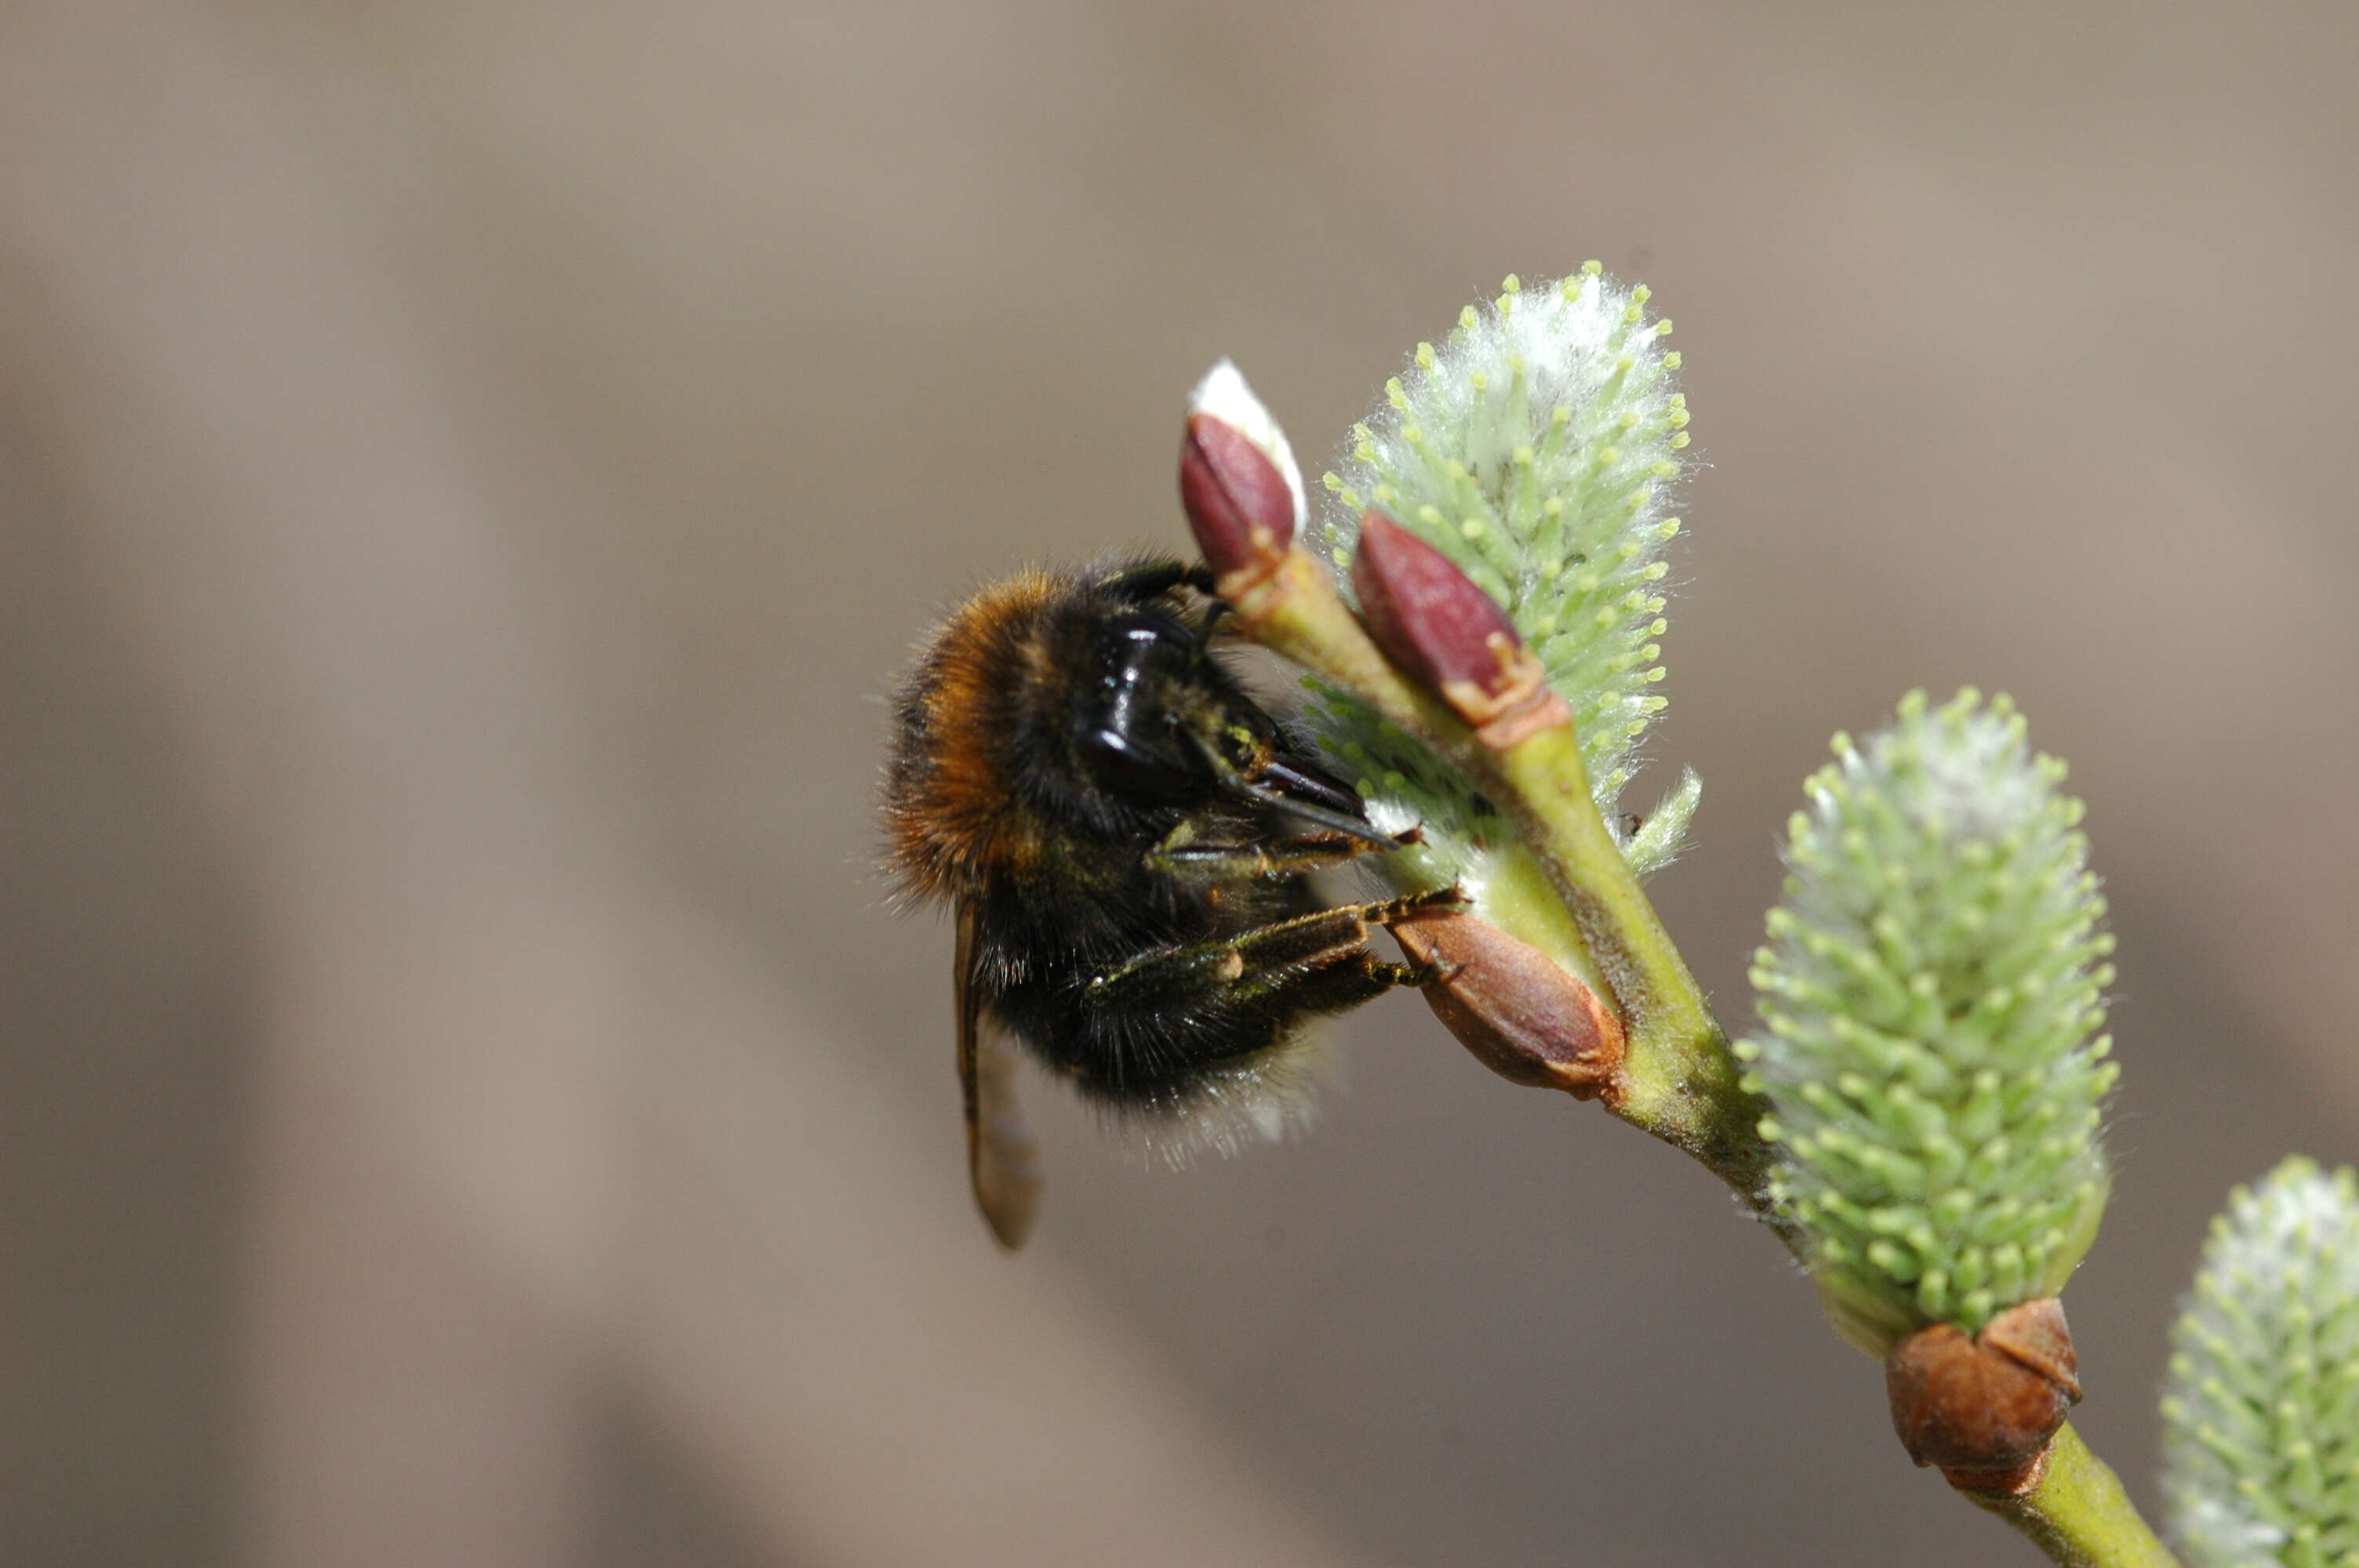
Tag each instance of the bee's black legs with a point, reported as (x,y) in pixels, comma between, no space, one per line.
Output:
(1316,962)
(1274,860)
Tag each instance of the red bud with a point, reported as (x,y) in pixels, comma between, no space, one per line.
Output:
(1239,502)
(1453,638)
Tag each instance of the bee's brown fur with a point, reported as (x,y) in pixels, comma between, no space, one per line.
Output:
(948,814)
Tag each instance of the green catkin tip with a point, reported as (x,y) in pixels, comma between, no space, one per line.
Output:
(1934,898)
(2260,1430)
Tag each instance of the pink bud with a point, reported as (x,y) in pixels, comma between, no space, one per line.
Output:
(1238,502)
(1237,477)
(1450,636)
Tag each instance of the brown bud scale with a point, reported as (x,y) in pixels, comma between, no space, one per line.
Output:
(1984,1408)
(1512,1006)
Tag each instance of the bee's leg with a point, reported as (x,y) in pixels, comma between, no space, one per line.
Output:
(1316,961)
(1275,859)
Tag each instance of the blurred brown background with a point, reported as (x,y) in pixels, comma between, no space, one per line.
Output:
(468,471)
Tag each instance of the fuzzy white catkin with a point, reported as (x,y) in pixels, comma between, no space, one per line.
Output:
(2261,1406)
(1538,446)
(1930,1000)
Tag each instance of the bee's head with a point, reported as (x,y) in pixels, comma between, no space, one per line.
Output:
(1148,700)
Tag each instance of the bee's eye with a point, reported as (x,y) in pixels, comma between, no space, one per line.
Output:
(1127,725)
(1152,770)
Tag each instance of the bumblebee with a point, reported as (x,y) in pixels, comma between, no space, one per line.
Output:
(1125,837)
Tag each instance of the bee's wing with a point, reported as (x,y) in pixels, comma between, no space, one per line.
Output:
(1002,1159)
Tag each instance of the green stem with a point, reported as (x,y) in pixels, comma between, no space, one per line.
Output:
(2079,1515)
(1680,1081)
